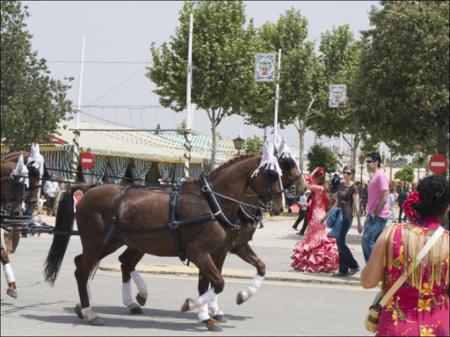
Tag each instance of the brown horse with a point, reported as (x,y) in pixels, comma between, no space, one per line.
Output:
(140,217)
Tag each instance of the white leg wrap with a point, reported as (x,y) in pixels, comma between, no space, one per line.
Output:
(9,274)
(256,284)
(213,306)
(127,296)
(205,298)
(88,314)
(203,313)
(89,291)
(140,283)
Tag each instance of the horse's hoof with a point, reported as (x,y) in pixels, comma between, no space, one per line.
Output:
(141,300)
(97,321)
(136,310)
(241,297)
(188,305)
(220,318)
(78,311)
(11,292)
(213,325)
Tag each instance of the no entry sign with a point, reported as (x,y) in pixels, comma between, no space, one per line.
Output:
(438,163)
(87,160)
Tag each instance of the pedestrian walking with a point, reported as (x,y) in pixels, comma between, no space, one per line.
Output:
(392,203)
(335,182)
(400,200)
(51,191)
(377,204)
(421,306)
(347,200)
(304,201)
(316,252)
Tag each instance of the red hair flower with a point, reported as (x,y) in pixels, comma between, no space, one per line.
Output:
(412,199)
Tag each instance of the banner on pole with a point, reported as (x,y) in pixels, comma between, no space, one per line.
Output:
(265,67)
(338,96)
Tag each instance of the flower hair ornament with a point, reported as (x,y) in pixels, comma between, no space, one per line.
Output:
(408,206)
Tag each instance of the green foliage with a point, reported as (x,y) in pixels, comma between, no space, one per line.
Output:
(222,61)
(406,174)
(319,155)
(32,103)
(404,75)
(253,145)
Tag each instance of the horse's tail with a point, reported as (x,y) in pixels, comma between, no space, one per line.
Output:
(64,223)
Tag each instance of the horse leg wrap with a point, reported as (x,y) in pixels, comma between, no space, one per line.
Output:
(203,313)
(88,314)
(9,274)
(88,290)
(140,283)
(127,297)
(205,298)
(213,307)
(256,284)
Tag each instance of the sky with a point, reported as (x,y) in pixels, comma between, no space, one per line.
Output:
(117,51)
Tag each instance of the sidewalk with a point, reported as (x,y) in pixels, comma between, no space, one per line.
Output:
(273,244)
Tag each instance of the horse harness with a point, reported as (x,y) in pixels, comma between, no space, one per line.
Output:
(175,220)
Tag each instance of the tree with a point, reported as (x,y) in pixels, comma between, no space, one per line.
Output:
(32,103)
(222,58)
(340,56)
(319,155)
(253,145)
(300,73)
(406,174)
(404,75)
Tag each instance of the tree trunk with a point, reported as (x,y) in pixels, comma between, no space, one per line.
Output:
(301,139)
(213,135)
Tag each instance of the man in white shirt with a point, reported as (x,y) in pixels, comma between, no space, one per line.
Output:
(51,190)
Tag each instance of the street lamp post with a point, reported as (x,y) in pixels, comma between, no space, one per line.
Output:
(361,162)
(420,162)
(238,143)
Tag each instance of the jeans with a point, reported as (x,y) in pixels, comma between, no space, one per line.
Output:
(373,227)
(346,259)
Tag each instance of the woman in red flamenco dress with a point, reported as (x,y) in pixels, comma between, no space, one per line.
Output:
(316,253)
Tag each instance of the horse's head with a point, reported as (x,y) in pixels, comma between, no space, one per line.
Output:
(266,181)
(14,181)
(291,173)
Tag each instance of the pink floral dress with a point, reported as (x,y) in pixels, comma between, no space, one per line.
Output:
(316,253)
(421,306)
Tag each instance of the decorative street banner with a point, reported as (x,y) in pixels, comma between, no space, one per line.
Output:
(265,67)
(338,95)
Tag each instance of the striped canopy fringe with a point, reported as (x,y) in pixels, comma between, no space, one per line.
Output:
(100,168)
(140,170)
(166,170)
(58,162)
(196,170)
(118,166)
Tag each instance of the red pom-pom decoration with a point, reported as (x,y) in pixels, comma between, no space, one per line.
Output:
(412,199)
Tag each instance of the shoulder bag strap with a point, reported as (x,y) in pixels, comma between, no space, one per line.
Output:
(430,243)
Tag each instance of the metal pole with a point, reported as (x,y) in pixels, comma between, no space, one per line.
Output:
(277,97)
(187,134)
(76,132)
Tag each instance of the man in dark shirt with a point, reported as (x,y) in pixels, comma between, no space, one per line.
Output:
(335,182)
(401,199)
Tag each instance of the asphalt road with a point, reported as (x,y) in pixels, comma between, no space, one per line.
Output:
(279,308)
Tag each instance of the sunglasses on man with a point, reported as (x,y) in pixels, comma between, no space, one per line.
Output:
(369,161)
(347,173)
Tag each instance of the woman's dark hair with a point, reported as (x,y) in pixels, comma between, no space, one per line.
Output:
(433,192)
(375,156)
(349,168)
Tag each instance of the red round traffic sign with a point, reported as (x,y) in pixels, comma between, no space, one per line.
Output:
(87,160)
(438,163)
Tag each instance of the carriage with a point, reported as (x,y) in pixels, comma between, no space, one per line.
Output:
(200,221)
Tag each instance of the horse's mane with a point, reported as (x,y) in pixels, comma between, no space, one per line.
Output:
(228,163)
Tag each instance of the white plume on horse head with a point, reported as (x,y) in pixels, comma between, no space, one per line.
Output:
(283,150)
(268,159)
(21,170)
(36,158)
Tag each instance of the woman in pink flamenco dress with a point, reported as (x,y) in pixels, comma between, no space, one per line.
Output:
(316,253)
(420,307)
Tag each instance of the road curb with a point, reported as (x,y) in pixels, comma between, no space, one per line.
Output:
(296,277)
